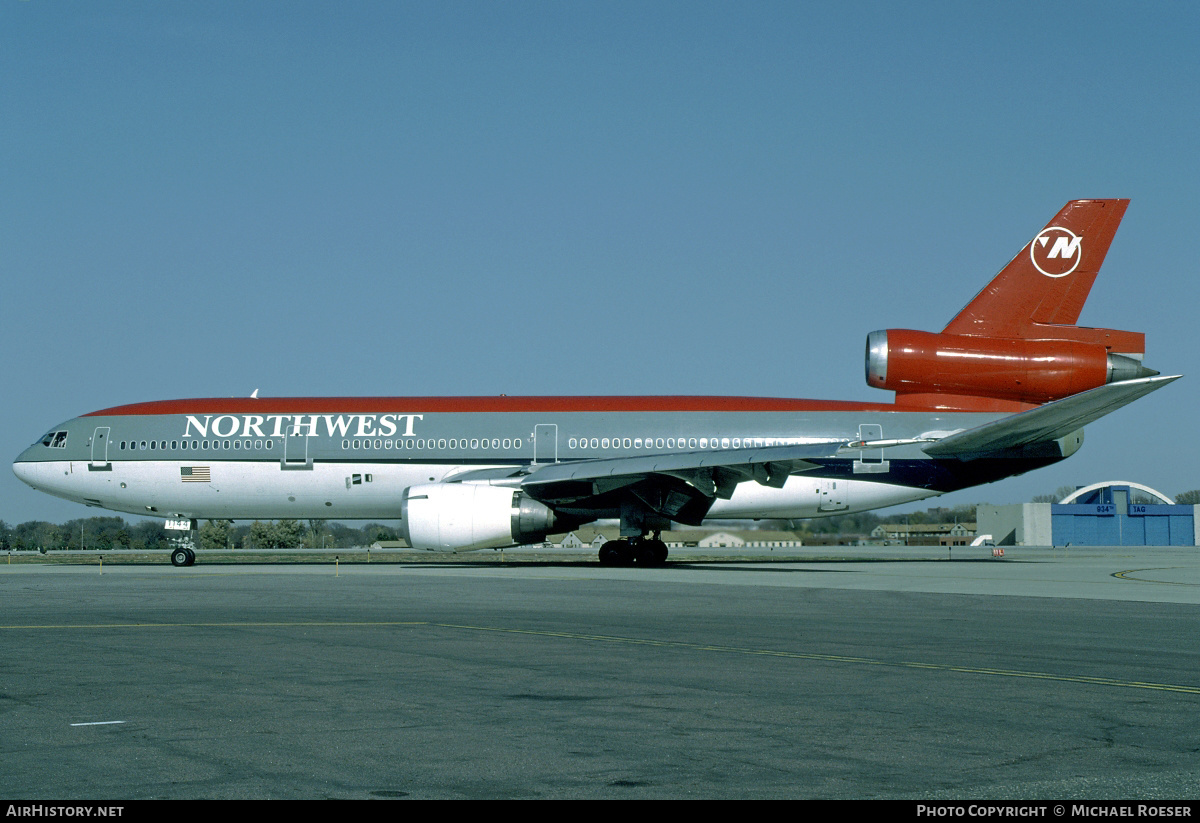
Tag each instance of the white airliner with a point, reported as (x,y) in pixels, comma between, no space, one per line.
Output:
(1006,387)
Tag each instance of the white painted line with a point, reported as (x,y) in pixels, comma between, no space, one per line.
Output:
(100,723)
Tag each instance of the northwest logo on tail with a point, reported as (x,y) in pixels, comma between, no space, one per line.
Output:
(1056,252)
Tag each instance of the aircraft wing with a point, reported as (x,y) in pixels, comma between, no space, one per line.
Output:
(1045,423)
(678,486)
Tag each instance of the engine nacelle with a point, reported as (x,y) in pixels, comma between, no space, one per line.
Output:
(453,517)
(1029,371)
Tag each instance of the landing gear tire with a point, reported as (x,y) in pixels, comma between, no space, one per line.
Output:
(182,557)
(644,552)
(651,553)
(608,554)
(616,553)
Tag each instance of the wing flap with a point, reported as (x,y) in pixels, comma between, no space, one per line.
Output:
(1045,423)
(680,487)
(768,465)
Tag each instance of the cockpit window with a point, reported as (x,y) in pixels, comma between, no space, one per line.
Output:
(55,440)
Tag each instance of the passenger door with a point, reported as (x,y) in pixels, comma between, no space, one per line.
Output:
(99,462)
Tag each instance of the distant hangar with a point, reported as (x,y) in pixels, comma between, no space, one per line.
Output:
(1112,513)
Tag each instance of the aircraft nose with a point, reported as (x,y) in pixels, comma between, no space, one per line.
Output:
(27,471)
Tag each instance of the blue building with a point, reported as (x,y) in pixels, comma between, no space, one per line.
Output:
(1113,513)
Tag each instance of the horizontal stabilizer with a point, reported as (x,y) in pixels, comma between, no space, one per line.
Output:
(1045,423)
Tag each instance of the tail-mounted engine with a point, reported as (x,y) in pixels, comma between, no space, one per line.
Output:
(452,517)
(1028,371)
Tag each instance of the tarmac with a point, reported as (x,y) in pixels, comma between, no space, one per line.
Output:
(830,672)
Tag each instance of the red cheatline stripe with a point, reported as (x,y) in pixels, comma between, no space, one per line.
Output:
(418,405)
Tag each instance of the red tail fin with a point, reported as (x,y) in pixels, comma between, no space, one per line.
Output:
(1017,343)
(1047,283)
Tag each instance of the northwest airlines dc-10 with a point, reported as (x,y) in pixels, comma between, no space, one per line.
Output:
(1006,387)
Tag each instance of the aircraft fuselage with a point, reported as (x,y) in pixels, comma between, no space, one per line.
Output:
(352,459)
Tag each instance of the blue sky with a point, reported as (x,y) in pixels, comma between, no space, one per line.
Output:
(427,198)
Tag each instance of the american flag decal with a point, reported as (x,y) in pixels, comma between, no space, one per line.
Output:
(194,474)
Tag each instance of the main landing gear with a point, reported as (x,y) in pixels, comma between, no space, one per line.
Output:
(641,551)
